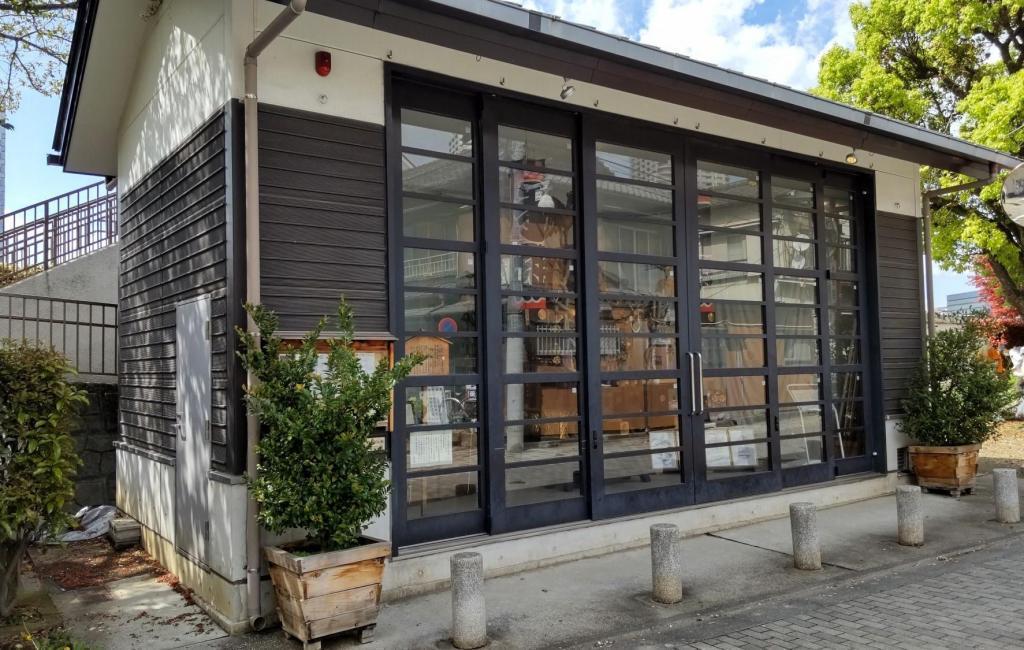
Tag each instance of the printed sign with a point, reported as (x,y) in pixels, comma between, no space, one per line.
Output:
(663,440)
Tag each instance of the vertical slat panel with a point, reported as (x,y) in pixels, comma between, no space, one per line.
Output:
(899,273)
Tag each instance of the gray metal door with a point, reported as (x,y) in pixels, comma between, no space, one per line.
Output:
(192,425)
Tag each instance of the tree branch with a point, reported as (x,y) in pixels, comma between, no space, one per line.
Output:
(36,46)
(1011,292)
(38,7)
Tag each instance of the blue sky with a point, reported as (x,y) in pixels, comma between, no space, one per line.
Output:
(778,40)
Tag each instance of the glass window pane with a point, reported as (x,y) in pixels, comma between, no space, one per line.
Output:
(838,201)
(732,352)
(840,231)
(641,279)
(432,496)
(795,290)
(436,133)
(532,272)
(541,483)
(551,315)
(437,219)
(798,352)
(720,212)
(845,352)
(439,449)
(844,322)
(791,254)
(642,472)
(640,433)
(723,392)
(796,321)
(799,388)
(533,148)
(842,259)
(635,164)
(637,316)
(538,354)
(438,177)
(533,228)
(791,191)
(792,223)
(624,200)
(541,441)
(728,246)
(731,318)
(736,425)
(439,312)
(850,443)
(846,385)
(426,267)
(716,284)
(541,400)
(440,404)
(639,395)
(535,189)
(634,237)
(843,293)
(445,356)
(795,420)
(848,414)
(627,353)
(727,179)
(798,452)
(737,460)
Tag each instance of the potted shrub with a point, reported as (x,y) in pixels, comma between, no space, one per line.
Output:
(37,453)
(955,402)
(320,471)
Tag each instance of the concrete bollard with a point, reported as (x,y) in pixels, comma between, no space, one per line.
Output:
(1007,496)
(666,567)
(469,614)
(909,515)
(803,521)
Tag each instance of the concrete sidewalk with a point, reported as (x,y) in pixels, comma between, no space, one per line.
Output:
(581,603)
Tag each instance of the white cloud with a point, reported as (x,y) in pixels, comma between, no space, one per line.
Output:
(603,15)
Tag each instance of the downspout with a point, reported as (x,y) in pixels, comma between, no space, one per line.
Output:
(250,102)
(926,213)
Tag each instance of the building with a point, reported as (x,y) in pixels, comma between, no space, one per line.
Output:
(649,285)
(965,301)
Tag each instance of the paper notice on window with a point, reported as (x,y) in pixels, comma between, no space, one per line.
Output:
(367,361)
(663,440)
(429,448)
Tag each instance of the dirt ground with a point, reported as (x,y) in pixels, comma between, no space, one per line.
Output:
(1007,448)
(91,563)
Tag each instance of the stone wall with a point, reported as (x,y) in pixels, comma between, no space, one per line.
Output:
(94,435)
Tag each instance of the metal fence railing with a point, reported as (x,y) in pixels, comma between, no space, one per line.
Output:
(59,229)
(84,332)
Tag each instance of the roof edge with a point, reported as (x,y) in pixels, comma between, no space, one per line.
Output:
(78,55)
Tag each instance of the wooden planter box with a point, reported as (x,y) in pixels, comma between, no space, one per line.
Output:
(323,594)
(945,468)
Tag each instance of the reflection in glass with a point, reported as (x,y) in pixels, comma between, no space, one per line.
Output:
(737,459)
(532,272)
(549,315)
(441,449)
(843,293)
(541,441)
(838,201)
(437,219)
(846,385)
(752,423)
(541,400)
(440,404)
(793,254)
(640,396)
(436,269)
(726,179)
(720,212)
(635,237)
(844,322)
(840,231)
(444,355)
(716,284)
(637,316)
(793,192)
(641,472)
(541,483)
(728,246)
(439,312)
(796,420)
(634,164)
(798,452)
(745,390)
(850,443)
(439,177)
(796,290)
(641,279)
(536,228)
(431,496)
(796,321)
(535,189)
(538,354)
(842,259)
(731,318)
(804,387)
(436,133)
(792,223)
(798,352)
(640,433)
(849,414)
(732,352)
(534,149)
(625,200)
(630,353)
(845,352)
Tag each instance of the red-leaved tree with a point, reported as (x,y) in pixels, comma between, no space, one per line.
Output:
(1005,322)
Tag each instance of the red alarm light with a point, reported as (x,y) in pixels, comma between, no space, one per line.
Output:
(323,63)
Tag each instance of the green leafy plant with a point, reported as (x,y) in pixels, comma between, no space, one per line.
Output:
(11,274)
(957,397)
(37,453)
(319,469)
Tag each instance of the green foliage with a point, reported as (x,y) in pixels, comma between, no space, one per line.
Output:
(955,66)
(957,398)
(10,275)
(319,469)
(37,454)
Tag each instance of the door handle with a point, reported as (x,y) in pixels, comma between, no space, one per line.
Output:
(693,384)
(700,382)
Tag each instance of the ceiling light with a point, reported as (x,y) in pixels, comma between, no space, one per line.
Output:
(567,91)
(851,158)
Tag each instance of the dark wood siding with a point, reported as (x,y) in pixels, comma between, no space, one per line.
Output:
(173,247)
(322,218)
(899,293)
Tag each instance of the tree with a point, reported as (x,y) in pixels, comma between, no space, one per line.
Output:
(35,37)
(955,66)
